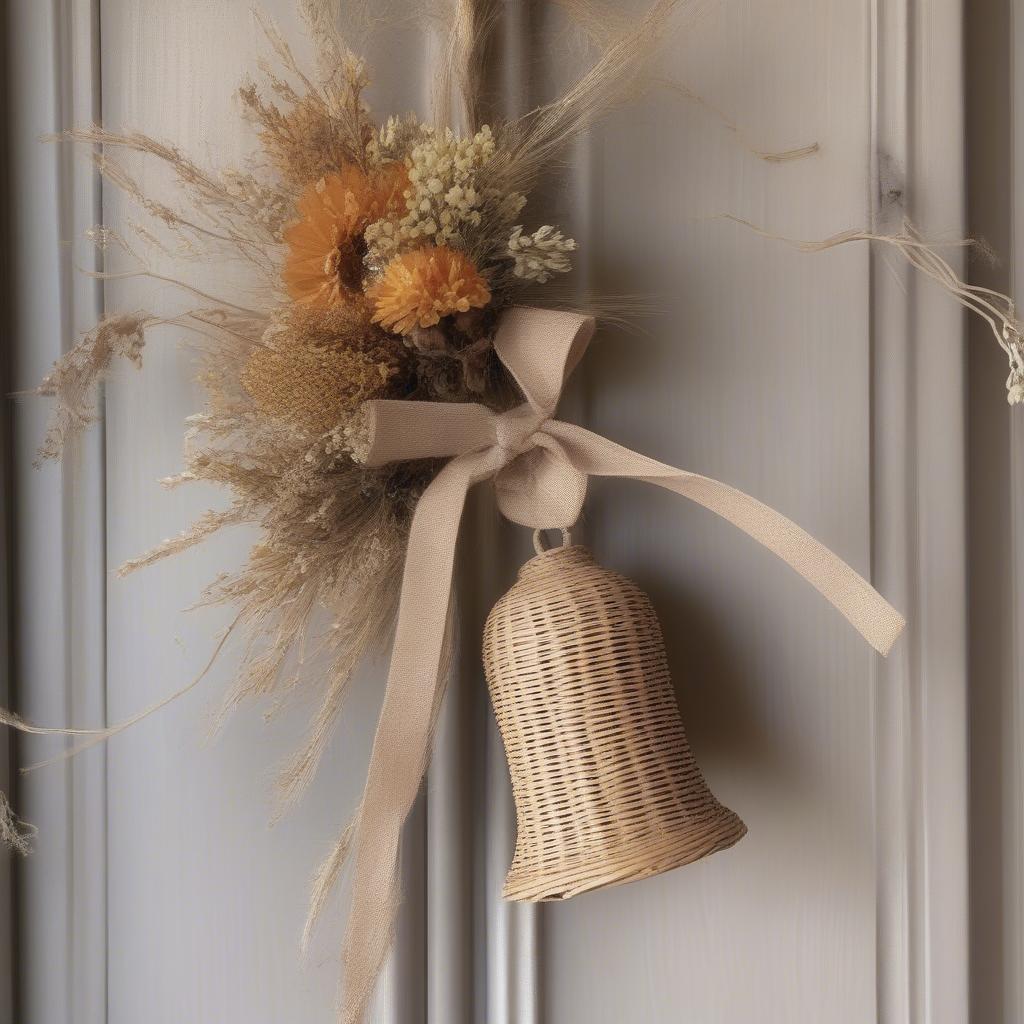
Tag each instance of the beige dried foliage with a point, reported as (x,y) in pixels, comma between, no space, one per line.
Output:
(538,139)
(332,541)
(205,526)
(601,22)
(771,156)
(461,70)
(216,200)
(315,367)
(75,377)
(332,111)
(99,735)
(303,142)
(331,50)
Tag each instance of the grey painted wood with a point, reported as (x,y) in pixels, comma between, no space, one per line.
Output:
(996,511)
(8,931)
(41,627)
(59,529)
(86,528)
(757,372)
(919,526)
(1013,837)
(828,386)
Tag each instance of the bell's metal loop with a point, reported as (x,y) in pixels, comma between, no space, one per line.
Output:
(540,544)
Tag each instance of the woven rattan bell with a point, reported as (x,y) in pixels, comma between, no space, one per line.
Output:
(606,788)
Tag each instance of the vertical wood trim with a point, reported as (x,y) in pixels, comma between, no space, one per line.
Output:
(994,540)
(450,827)
(423,979)
(919,494)
(85,511)
(1013,740)
(8,961)
(59,518)
(498,982)
(1013,800)
(513,929)
(891,499)
(40,625)
(449,856)
(939,203)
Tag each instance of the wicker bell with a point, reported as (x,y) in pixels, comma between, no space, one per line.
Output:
(606,788)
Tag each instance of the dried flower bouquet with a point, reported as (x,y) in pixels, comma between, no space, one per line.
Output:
(390,250)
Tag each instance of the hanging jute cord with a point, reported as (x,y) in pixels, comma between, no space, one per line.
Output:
(540,467)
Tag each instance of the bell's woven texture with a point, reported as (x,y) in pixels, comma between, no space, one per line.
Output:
(606,788)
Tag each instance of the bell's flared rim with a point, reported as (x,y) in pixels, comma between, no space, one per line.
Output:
(633,862)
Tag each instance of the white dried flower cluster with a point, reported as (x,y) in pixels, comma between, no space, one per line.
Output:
(443,199)
(541,254)
(344,442)
(397,136)
(352,439)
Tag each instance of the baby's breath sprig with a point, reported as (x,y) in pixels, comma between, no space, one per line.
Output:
(541,254)
(445,201)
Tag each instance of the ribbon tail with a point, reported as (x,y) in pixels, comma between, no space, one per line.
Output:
(865,609)
(401,747)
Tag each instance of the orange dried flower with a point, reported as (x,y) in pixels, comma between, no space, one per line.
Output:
(418,288)
(325,248)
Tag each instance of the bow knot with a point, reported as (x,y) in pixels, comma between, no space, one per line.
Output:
(515,431)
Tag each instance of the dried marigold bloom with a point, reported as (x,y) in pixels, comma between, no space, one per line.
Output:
(325,247)
(315,367)
(419,287)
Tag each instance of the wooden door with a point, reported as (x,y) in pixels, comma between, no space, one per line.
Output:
(829,386)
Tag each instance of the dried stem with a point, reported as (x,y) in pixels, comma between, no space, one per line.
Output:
(995,308)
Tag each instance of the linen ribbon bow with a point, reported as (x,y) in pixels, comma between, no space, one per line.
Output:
(540,467)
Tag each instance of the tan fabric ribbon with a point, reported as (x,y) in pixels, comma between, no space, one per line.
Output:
(540,467)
